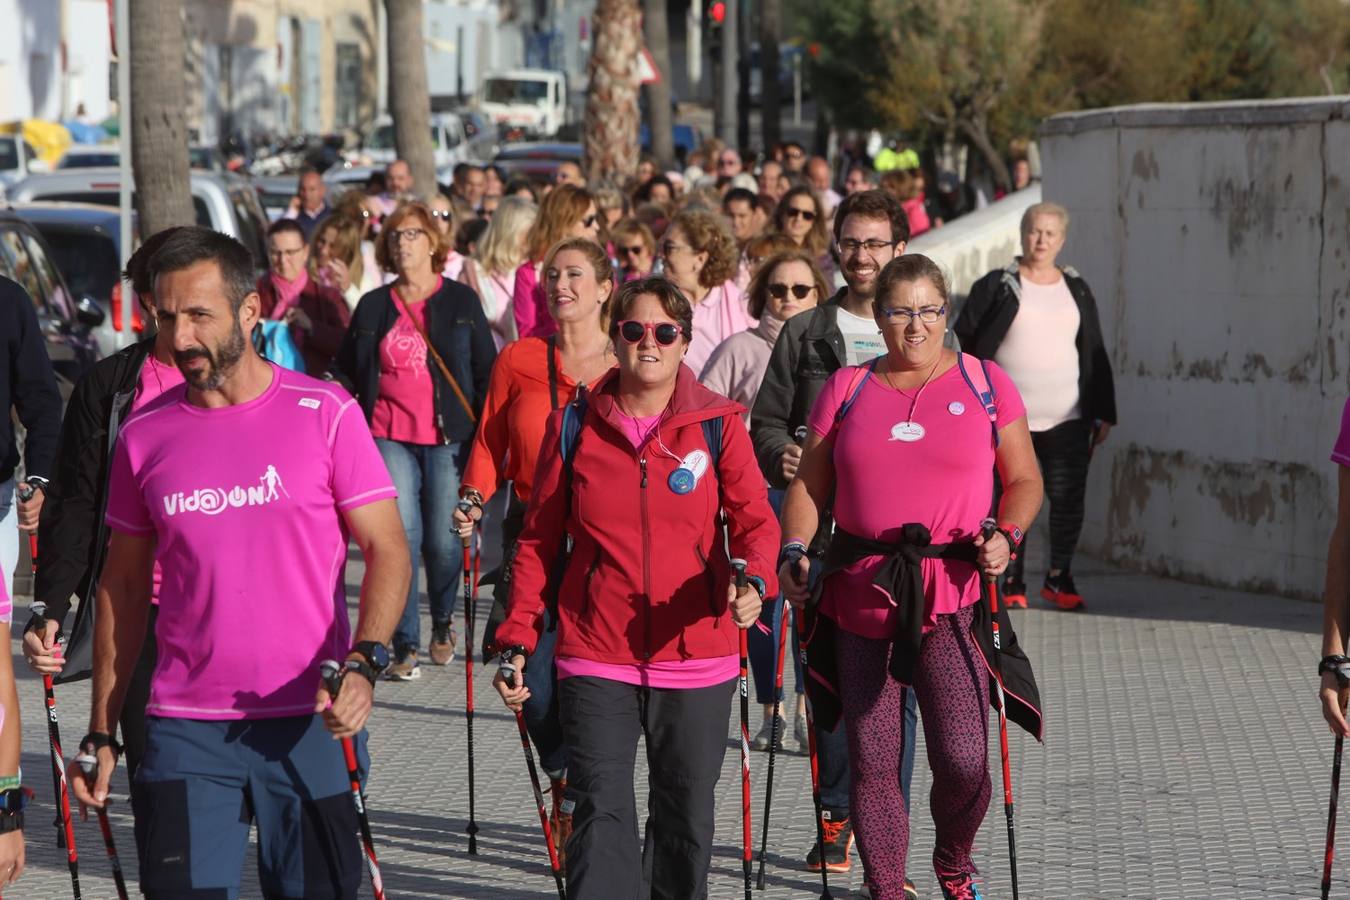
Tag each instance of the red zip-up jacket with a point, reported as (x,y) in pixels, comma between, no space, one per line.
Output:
(647,579)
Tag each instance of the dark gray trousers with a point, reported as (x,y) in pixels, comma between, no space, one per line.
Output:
(686,737)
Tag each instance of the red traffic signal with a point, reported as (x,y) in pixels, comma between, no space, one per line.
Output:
(718,12)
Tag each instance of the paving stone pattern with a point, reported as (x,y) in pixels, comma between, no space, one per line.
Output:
(1184,757)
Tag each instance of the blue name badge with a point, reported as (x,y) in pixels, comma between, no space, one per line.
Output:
(681,481)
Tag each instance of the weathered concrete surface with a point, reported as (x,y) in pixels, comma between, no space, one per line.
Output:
(1216,238)
(972,245)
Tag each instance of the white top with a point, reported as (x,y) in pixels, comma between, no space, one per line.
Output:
(1040,354)
(862,338)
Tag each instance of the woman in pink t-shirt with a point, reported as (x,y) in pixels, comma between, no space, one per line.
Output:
(907,446)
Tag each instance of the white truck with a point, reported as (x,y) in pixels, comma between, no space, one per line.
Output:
(533,101)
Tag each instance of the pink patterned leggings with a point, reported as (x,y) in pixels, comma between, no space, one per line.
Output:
(952,686)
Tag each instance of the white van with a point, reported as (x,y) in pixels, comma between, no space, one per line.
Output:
(450,144)
(533,100)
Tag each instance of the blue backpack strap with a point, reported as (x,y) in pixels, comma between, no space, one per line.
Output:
(712,436)
(574,414)
(855,386)
(983,388)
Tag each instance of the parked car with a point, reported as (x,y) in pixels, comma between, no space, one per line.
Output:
(536,160)
(345,176)
(222,200)
(275,192)
(449,142)
(18,160)
(86,243)
(484,139)
(89,157)
(67,322)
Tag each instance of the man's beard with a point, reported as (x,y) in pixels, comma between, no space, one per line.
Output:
(219,363)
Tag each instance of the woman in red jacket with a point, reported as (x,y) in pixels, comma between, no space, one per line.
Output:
(647,613)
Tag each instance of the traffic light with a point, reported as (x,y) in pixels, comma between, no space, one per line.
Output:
(717,11)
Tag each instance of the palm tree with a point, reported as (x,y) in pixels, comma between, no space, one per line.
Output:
(158,114)
(610,145)
(409,99)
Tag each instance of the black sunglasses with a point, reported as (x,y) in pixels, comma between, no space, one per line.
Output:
(808,215)
(632,331)
(800,291)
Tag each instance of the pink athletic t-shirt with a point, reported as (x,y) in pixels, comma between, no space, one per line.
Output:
(944,480)
(676,673)
(1340,454)
(405,409)
(245,504)
(156,378)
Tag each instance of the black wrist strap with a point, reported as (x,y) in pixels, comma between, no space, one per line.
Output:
(97,740)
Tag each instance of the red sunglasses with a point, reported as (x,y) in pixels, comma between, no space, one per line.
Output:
(631,330)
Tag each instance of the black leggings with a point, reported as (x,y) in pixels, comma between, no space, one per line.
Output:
(1063,452)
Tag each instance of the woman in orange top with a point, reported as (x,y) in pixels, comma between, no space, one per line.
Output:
(532,377)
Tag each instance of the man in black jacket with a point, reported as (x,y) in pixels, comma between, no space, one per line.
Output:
(870,229)
(73,534)
(27,386)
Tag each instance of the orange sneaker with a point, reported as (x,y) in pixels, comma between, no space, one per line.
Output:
(838,843)
(1060,590)
(560,820)
(1014,594)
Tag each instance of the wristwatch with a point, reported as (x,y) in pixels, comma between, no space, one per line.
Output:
(365,671)
(375,654)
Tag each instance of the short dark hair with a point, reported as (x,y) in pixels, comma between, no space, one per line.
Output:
(138,266)
(874,204)
(906,268)
(282,226)
(673,301)
(643,194)
(742,195)
(192,244)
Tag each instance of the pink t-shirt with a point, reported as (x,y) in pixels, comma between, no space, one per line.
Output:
(156,378)
(721,314)
(245,505)
(1340,454)
(944,481)
(685,674)
(405,409)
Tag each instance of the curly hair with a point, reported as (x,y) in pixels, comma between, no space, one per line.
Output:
(384,253)
(707,233)
(758,292)
(560,210)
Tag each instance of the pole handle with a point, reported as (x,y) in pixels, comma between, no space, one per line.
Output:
(738,567)
(466,507)
(331,673)
(987,529)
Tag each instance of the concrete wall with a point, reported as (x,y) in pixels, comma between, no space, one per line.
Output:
(1216,238)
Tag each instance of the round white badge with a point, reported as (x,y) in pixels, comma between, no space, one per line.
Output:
(956,407)
(909,432)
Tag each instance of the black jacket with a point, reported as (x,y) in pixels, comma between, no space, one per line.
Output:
(989,311)
(27,385)
(809,349)
(459,332)
(72,533)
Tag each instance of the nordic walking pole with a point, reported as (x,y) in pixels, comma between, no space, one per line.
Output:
(330,672)
(773,744)
(469,587)
(803,634)
(1331,817)
(987,529)
(89,764)
(508,673)
(747,835)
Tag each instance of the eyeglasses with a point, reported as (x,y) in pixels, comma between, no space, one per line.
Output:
(588,222)
(285,254)
(667,246)
(407,234)
(899,315)
(807,214)
(850,247)
(632,331)
(800,291)
(630,251)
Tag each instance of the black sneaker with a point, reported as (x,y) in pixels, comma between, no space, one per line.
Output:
(1061,591)
(1014,594)
(838,843)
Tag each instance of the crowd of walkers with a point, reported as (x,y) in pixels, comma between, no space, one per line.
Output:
(724,408)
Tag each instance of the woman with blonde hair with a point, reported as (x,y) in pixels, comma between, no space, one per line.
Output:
(700,258)
(336,259)
(567,211)
(491,271)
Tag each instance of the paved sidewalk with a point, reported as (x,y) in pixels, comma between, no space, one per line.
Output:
(1184,757)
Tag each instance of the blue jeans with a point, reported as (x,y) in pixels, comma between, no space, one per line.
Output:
(764,651)
(427,480)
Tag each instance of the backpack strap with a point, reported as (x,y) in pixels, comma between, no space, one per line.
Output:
(977,379)
(856,381)
(712,436)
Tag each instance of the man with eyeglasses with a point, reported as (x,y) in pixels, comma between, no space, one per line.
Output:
(317,314)
(870,229)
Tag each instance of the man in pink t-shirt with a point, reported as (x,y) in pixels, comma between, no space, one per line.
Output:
(245,484)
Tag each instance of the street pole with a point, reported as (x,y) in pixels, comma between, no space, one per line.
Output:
(743,74)
(797,89)
(122,12)
(726,122)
